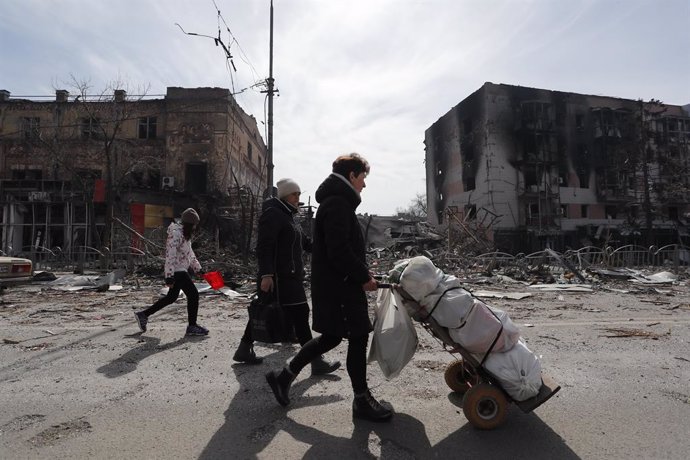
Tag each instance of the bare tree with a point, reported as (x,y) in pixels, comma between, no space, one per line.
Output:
(101,121)
(416,209)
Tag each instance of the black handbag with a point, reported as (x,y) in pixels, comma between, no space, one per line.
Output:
(267,319)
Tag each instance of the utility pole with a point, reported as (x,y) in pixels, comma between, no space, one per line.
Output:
(270,91)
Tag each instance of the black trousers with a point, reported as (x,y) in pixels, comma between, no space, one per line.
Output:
(183,282)
(356,357)
(297,315)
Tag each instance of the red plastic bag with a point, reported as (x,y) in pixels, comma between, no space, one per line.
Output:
(215,279)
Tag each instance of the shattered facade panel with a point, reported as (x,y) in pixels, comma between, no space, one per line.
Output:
(559,168)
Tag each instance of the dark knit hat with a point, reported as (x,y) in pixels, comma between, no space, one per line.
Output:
(189,216)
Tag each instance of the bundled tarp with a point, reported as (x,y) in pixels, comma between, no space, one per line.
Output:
(518,370)
(472,324)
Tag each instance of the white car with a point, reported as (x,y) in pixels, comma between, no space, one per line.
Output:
(15,270)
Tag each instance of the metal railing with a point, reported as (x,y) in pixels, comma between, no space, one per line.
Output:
(671,256)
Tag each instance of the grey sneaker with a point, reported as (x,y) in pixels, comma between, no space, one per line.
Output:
(195,329)
(142,319)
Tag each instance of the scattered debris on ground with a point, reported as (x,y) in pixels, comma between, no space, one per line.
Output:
(617,332)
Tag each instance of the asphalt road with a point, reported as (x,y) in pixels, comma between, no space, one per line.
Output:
(79,381)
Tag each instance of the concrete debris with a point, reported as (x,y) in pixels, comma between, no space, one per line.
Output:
(502,295)
(618,332)
(464,246)
(656,278)
(563,287)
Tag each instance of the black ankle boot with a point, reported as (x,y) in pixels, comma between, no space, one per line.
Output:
(367,408)
(321,367)
(280,384)
(245,354)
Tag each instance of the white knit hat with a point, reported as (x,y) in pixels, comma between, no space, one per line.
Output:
(286,187)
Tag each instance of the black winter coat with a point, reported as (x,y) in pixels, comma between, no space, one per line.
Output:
(279,247)
(339,267)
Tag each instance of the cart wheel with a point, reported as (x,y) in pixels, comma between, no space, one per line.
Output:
(459,377)
(485,406)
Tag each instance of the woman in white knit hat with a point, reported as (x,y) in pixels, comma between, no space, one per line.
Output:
(279,248)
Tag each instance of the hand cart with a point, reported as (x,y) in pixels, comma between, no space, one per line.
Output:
(484,402)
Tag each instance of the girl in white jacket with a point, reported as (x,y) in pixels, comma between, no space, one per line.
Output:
(180,263)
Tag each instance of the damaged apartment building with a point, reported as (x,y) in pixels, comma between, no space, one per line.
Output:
(561,170)
(74,167)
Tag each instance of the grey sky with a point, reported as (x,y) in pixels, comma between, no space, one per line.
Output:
(354,75)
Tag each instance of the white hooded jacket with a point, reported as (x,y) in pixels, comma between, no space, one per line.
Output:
(179,256)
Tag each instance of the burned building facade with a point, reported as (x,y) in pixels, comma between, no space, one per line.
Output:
(559,169)
(71,166)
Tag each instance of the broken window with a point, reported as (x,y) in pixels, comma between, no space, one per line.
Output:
(148,127)
(249,151)
(584,210)
(564,210)
(533,213)
(57,213)
(563,179)
(537,115)
(531,176)
(91,128)
(470,211)
(27,174)
(39,213)
(467,152)
(467,126)
(136,177)
(611,211)
(468,184)
(154,178)
(580,122)
(86,178)
(31,128)
(529,147)
(79,213)
(57,227)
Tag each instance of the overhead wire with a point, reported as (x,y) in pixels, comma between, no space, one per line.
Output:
(258,83)
(242,54)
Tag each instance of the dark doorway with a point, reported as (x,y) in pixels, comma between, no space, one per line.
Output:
(195,178)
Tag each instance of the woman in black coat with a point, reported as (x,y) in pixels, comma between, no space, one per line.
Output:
(279,247)
(340,277)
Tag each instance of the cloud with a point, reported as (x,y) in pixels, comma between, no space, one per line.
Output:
(354,75)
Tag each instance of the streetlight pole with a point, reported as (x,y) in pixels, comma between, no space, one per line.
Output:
(270,91)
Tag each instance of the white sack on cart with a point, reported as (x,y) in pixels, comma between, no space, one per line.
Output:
(482,327)
(452,307)
(434,290)
(420,277)
(518,370)
(469,321)
(395,338)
